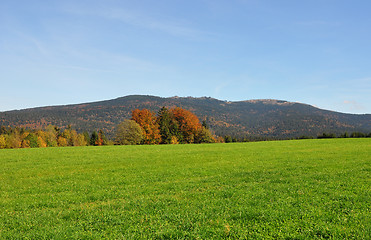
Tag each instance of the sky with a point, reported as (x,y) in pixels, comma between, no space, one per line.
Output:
(56,52)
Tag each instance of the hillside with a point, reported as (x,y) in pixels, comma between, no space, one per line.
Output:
(253,118)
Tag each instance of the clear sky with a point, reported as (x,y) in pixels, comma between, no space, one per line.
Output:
(72,51)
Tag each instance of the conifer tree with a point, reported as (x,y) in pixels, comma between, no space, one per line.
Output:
(94,139)
(165,121)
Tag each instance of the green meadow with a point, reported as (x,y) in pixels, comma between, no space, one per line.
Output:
(305,189)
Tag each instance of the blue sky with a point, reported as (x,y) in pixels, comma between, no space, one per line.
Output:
(73,51)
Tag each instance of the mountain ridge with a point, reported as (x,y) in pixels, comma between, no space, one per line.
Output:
(266,118)
(262,100)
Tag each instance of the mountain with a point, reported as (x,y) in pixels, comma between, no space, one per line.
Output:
(265,118)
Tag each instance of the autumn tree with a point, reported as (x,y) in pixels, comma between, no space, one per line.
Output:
(2,141)
(148,122)
(129,132)
(67,134)
(188,124)
(204,135)
(73,138)
(172,126)
(51,136)
(102,140)
(81,141)
(41,138)
(14,139)
(3,130)
(62,141)
(219,139)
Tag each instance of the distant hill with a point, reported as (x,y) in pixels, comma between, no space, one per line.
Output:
(252,118)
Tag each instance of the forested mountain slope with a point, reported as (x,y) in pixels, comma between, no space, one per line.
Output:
(262,118)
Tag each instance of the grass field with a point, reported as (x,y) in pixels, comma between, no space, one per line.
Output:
(263,190)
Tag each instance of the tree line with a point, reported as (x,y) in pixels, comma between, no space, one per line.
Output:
(51,136)
(168,126)
(251,138)
(345,135)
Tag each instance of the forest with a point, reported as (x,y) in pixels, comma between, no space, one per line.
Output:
(168,126)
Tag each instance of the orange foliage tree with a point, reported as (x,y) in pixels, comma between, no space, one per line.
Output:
(147,120)
(173,126)
(101,138)
(189,124)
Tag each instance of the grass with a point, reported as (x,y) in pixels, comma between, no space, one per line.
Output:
(264,190)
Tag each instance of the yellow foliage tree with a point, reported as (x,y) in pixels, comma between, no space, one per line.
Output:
(25,143)
(51,136)
(41,142)
(174,140)
(2,141)
(81,141)
(62,142)
(14,141)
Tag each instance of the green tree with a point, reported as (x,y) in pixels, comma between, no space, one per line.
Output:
(32,138)
(129,132)
(94,139)
(326,135)
(87,137)
(3,130)
(227,139)
(345,135)
(169,129)
(205,125)
(163,121)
